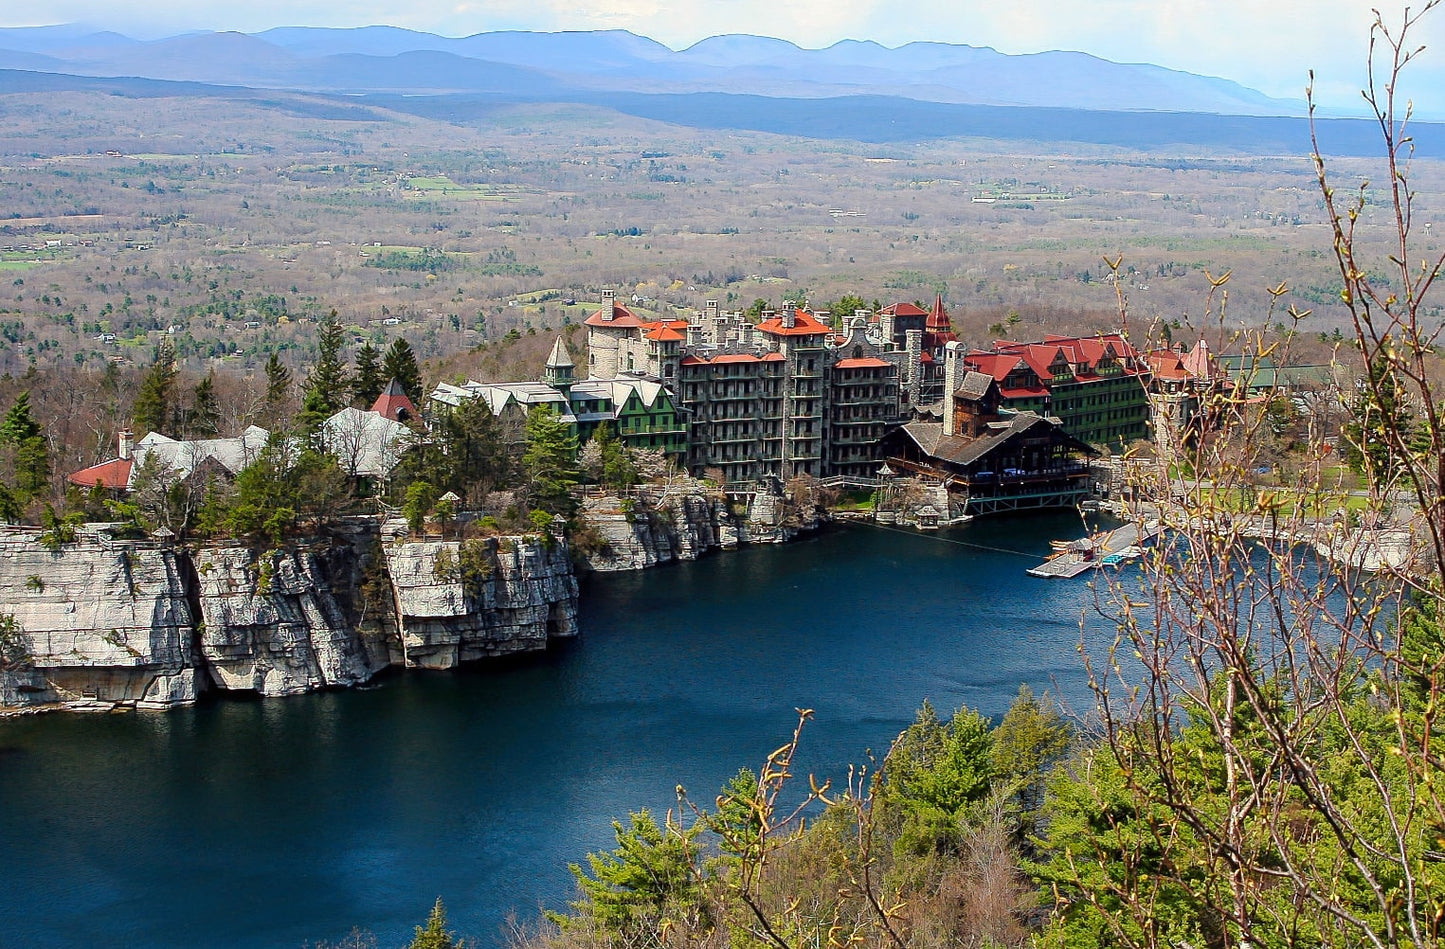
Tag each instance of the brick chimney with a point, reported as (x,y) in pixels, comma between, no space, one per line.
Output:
(126,444)
(609,300)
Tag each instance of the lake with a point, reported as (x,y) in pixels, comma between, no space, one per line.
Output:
(287,822)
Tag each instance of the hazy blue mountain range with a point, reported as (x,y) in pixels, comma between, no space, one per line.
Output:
(381,59)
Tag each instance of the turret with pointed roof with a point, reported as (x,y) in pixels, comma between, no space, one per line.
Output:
(393,403)
(559,369)
(938,331)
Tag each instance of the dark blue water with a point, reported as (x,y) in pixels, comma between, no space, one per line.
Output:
(288,821)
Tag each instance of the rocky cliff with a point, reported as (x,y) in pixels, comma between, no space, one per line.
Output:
(683,519)
(274,623)
(456,602)
(101,622)
(98,620)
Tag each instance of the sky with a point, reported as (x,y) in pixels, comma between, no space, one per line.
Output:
(1269,45)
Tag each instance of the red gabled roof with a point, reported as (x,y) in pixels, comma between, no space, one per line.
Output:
(112,474)
(903,309)
(665,334)
(804,324)
(734,358)
(998,365)
(393,403)
(773,357)
(863,362)
(1168,364)
(622,318)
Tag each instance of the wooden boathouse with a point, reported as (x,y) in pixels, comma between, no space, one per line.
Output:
(991,461)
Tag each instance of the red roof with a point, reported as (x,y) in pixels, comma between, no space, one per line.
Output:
(622,318)
(773,357)
(734,357)
(112,474)
(665,334)
(938,330)
(903,309)
(864,362)
(805,324)
(393,403)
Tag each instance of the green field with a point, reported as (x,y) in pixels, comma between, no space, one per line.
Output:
(434,186)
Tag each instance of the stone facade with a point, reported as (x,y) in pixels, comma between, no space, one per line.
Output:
(788,396)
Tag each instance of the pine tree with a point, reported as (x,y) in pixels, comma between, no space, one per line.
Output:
(204,420)
(1379,414)
(278,382)
(154,403)
(368,381)
(326,385)
(435,934)
(19,423)
(400,364)
(550,461)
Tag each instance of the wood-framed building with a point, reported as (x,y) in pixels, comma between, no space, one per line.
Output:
(991,460)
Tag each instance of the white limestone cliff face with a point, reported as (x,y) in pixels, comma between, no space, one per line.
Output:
(683,520)
(273,623)
(101,621)
(499,595)
(99,624)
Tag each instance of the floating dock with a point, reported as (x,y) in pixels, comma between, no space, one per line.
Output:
(1113,547)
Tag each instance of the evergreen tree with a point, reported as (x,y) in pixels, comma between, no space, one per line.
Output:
(19,423)
(278,383)
(204,420)
(435,935)
(1030,740)
(326,385)
(400,364)
(550,461)
(367,381)
(632,890)
(30,455)
(154,403)
(1379,415)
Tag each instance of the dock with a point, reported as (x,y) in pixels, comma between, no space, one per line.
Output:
(1115,546)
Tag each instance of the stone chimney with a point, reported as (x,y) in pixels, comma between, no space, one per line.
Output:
(126,444)
(952,362)
(609,300)
(790,315)
(712,310)
(913,345)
